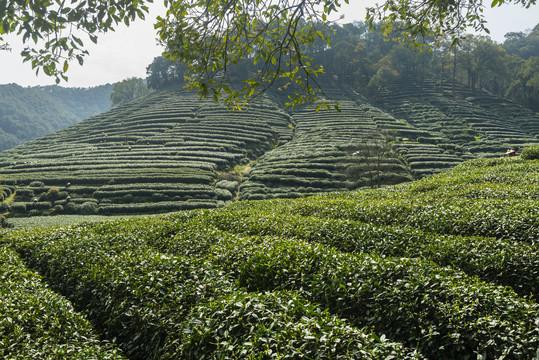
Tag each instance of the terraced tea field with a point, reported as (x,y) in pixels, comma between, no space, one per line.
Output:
(442,268)
(456,124)
(171,151)
(331,151)
(158,155)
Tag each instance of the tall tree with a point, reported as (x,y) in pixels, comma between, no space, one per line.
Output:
(522,44)
(525,88)
(162,73)
(128,90)
(481,57)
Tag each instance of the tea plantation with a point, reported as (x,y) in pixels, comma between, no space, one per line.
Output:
(170,151)
(446,267)
(455,124)
(160,154)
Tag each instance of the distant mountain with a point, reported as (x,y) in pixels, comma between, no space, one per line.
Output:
(28,113)
(170,150)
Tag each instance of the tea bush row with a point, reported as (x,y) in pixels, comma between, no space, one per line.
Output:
(133,295)
(37,323)
(155,207)
(280,325)
(420,304)
(508,263)
(443,309)
(509,219)
(169,307)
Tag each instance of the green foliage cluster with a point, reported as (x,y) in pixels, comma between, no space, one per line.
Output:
(280,325)
(530,153)
(500,261)
(127,90)
(315,277)
(151,303)
(38,323)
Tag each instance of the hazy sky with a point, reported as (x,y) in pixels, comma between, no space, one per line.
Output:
(128,51)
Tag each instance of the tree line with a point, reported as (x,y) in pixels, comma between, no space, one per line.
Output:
(370,61)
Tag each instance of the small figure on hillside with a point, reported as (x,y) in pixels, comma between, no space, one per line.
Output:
(34,200)
(510,153)
(68,185)
(68,199)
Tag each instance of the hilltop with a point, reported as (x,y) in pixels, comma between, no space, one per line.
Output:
(445,264)
(170,151)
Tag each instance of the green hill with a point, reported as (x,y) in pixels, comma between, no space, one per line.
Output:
(170,151)
(32,112)
(445,265)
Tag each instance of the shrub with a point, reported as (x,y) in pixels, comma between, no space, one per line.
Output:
(4,207)
(18,207)
(240,324)
(57,209)
(4,223)
(37,184)
(88,208)
(441,307)
(37,323)
(72,208)
(25,194)
(158,197)
(53,193)
(134,294)
(223,194)
(530,153)
(228,185)
(34,212)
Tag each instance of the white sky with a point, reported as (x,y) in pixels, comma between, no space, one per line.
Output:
(128,51)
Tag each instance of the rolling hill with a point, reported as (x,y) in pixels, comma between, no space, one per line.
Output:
(444,267)
(170,151)
(32,112)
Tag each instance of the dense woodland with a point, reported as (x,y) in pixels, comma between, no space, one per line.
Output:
(31,112)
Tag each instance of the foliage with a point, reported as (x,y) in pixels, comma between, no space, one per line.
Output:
(525,45)
(530,153)
(49,25)
(525,87)
(244,280)
(29,113)
(38,323)
(277,325)
(127,90)
(162,73)
(269,36)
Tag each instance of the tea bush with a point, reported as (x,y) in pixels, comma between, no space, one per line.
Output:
(280,325)
(37,323)
(134,295)
(504,262)
(442,308)
(530,153)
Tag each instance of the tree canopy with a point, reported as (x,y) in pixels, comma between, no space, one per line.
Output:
(127,90)
(213,36)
